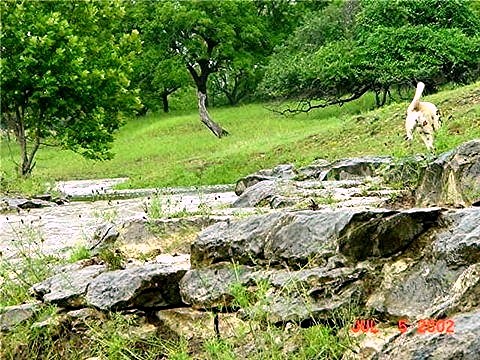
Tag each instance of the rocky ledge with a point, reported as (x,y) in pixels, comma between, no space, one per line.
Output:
(317,258)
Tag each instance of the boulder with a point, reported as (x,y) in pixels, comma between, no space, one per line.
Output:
(355,168)
(384,233)
(103,237)
(316,170)
(211,287)
(442,278)
(300,237)
(298,296)
(10,316)
(453,179)
(462,296)
(283,171)
(257,194)
(142,237)
(281,193)
(459,245)
(148,286)
(409,290)
(68,287)
(344,169)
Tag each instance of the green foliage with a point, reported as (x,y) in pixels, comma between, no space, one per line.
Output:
(157,72)
(375,46)
(80,252)
(434,13)
(111,338)
(11,185)
(64,75)
(206,36)
(113,258)
(188,156)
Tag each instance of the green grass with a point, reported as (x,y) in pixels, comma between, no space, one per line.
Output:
(177,150)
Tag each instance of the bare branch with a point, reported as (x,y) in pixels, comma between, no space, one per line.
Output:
(305,106)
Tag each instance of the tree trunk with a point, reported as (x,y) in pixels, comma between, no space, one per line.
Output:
(165,101)
(26,161)
(217,130)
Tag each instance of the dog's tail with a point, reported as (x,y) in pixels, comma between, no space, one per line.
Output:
(416,98)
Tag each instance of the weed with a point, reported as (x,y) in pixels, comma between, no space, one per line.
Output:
(154,208)
(471,192)
(80,252)
(113,338)
(30,265)
(112,258)
(404,173)
(106,215)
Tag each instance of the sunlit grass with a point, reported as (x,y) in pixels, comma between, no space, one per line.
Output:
(177,150)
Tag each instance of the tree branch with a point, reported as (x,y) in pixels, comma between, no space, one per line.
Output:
(301,105)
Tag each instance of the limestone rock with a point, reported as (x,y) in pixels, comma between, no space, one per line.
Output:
(302,237)
(297,296)
(410,291)
(464,343)
(460,243)
(19,203)
(355,168)
(284,171)
(257,194)
(443,280)
(147,286)
(344,169)
(383,233)
(104,236)
(140,237)
(68,287)
(212,287)
(10,316)
(453,179)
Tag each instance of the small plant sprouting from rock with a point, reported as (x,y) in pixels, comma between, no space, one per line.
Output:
(113,258)
(78,253)
(107,216)
(153,208)
(404,173)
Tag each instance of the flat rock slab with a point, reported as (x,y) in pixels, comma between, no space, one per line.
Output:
(68,287)
(76,188)
(19,203)
(301,237)
(148,286)
(10,316)
(344,169)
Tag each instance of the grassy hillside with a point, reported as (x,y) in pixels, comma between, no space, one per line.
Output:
(176,149)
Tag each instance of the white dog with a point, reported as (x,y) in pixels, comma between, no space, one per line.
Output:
(423,115)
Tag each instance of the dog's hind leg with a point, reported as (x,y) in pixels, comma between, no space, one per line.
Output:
(410,125)
(428,140)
